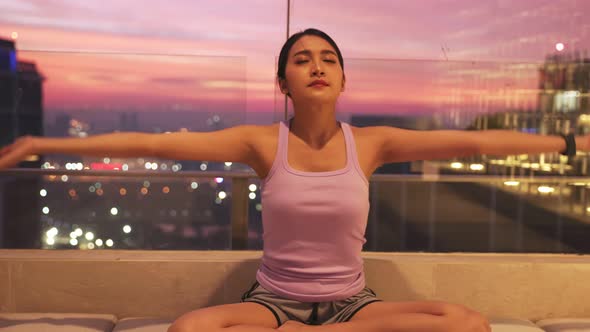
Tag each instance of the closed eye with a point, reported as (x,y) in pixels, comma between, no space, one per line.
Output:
(305,61)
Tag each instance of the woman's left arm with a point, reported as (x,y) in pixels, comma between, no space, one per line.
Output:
(398,145)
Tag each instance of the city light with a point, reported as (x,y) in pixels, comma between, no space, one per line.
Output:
(222,195)
(203,167)
(545,189)
(89,236)
(73,242)
(511,183)
(127,229)
(98,242)
(50,241)
(45,210)
(74,166)
(91,245)
(456,165)
(252,195)
(79,232)
(14,35)
(194,185)
(228,163)
(476,167)
(64,178)
(43,192)
(109,243)
(52,232)
(559,47)
(114,211)
(252,187)
(219,180)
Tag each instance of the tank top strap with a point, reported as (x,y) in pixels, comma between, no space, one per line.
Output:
(349,139)
(281,154)
(351,150)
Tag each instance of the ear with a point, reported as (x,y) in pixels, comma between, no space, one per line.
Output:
(283,86)
(343,82)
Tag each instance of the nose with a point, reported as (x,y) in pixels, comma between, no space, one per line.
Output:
(317,70)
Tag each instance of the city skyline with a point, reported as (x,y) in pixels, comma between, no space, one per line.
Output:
(221,55)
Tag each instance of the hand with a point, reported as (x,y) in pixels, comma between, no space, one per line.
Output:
(12,154)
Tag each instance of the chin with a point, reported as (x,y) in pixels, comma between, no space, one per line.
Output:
(323,98)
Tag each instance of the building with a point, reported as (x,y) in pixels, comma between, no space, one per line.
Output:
(21,113)
(21,98)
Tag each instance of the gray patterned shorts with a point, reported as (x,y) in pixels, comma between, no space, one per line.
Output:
(310,313)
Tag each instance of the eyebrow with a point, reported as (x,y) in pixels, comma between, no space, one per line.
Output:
(308,52)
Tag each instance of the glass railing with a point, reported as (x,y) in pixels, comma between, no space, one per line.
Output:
(93,210)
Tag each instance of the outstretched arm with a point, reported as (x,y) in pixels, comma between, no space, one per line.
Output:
(233,144)
(397,145)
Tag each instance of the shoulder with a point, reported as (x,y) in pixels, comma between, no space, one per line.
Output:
(372,133)
(378,139)
(378,132)
(262,135)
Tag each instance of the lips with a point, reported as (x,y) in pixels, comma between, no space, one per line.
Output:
(319,82)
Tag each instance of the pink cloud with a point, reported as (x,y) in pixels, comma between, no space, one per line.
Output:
(396,53)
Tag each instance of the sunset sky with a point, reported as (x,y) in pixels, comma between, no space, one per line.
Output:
(401,57)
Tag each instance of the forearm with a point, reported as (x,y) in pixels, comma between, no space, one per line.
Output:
(504,142)
(128,144)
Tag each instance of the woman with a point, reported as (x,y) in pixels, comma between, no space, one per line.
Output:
(314,172)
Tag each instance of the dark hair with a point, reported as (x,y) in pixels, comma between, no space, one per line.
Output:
(283,57)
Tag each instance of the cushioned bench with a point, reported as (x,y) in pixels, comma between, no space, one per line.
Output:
(144,291)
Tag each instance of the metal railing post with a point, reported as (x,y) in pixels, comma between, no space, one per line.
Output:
(239,214)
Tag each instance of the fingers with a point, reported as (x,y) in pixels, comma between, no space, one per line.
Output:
(4,150)
(9,159)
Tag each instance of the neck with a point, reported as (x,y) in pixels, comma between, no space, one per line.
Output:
(315,125)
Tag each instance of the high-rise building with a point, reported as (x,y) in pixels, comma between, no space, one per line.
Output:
(21,113)
(564,87)
(21,98)
(8,92)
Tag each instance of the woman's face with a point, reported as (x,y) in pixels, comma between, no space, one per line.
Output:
(313,72)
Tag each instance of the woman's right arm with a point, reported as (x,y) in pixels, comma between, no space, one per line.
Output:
(233,144)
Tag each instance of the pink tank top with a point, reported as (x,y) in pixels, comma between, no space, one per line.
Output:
(314,228)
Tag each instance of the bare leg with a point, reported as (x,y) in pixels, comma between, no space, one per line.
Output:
(246,317)
(411,322)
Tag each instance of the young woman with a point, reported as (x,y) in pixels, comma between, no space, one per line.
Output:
(314,172)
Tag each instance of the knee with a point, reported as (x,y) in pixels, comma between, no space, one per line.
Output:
(193,323)
(461,318)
